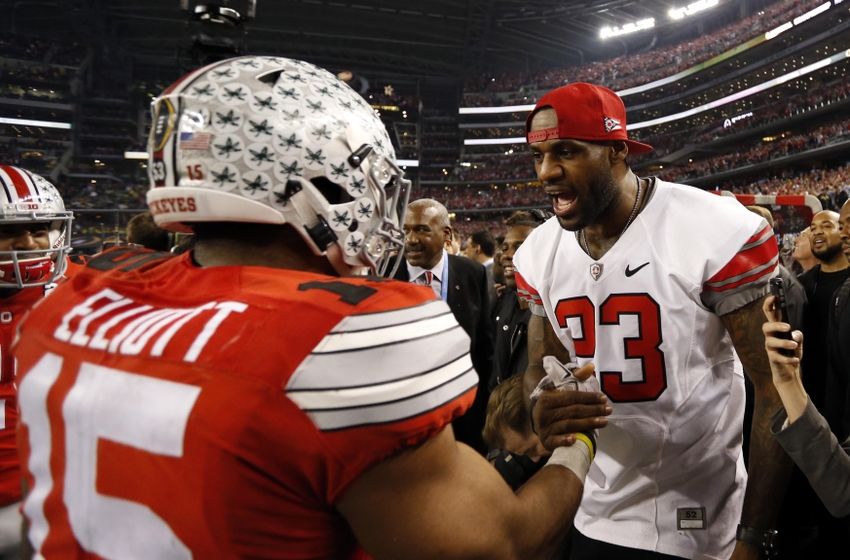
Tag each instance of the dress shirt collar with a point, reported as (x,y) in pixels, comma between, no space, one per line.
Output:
(414,272)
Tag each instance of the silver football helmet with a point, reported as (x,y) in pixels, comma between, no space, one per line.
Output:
(26,199)
(273,140)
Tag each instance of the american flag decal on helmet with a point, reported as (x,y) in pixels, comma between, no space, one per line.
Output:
(194,140)
(611,124)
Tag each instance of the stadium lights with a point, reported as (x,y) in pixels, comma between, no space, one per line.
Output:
(747,92)
(781,29)
(30,122)
(493,141)
(812,13)
(675,77)
(144,155)
(502,109)
(691,9)
(799,19)
(828,61)
(626,28)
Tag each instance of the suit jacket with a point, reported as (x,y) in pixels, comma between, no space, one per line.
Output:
(491,283)
(469,301)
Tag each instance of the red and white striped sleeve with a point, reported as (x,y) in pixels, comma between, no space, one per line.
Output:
(745,276)
(526,292)
(381,380)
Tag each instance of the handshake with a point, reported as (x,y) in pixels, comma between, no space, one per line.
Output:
(566,428)
(562,377)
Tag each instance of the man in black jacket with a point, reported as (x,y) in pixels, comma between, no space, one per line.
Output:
(837,401)
(510,314)
(810,530)
(462,284)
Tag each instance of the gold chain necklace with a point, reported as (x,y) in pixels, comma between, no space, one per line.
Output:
(632,216)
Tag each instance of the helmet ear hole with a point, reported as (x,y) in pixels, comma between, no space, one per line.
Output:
(270,77)
(332,192)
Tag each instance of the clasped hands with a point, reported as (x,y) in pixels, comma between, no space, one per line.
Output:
(566,401)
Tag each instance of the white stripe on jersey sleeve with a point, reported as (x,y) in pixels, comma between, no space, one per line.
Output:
(368,395)
(384,319)
(384,367)
(370,365)
(345,340)
(394,411)
(751,272)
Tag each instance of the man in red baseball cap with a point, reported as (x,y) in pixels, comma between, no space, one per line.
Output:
(585,112)
(581,117)
(649,280)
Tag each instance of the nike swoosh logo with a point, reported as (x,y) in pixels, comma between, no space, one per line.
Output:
(632,272)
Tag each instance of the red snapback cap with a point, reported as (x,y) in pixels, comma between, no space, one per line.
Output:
(585,112)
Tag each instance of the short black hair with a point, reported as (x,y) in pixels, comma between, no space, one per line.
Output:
(142,230)
(532,218)
(484,239)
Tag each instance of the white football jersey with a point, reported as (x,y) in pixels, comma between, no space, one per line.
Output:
(669,475)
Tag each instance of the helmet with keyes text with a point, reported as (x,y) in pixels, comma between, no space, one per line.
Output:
(35,230)
(274,140)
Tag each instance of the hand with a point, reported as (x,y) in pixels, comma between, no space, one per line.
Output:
(559,414)
(499,289)
(563,376)
(785,368)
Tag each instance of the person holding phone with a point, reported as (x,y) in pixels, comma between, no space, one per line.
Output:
(798,427)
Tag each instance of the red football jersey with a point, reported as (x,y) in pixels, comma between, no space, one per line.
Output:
(169,411)
(13,308)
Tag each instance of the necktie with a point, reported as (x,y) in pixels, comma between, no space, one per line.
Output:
(429,276)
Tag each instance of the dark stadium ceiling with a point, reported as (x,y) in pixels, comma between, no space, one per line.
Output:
(447,38)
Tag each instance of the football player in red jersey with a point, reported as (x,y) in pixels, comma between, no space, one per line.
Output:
(253,397)
(34,243)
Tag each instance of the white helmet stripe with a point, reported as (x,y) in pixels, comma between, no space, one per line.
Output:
(8,188)
(18,184)
(23,184)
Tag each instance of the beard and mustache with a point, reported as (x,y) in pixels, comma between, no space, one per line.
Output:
(595,200)
(829,252)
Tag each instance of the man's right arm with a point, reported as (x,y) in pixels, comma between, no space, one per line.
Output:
(443,500)
(542,341)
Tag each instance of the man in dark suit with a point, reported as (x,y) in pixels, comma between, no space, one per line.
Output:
(460,282)
(481,248)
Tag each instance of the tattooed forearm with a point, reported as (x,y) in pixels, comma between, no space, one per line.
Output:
(768,467)
(542,341)
(744,326)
